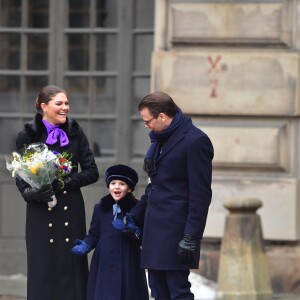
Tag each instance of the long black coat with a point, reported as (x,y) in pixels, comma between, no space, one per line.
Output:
(115,272)
(54,273)
(177,199)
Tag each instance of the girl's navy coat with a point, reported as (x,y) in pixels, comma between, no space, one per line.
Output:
(115,272)
(54,273)
(177,199)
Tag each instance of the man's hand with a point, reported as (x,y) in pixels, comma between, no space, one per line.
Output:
(131,228)
(187,248)
(128,227)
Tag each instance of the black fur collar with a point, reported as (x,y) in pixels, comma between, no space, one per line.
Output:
(36,127)
(126,203)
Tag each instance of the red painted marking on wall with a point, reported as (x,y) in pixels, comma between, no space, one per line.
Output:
(213,73)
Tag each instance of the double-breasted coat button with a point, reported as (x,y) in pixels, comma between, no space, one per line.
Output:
(64,192)
(66,224)
(66,207)
(50,224)
(67,240)
(51,241)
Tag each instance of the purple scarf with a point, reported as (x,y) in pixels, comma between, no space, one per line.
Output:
(55,134)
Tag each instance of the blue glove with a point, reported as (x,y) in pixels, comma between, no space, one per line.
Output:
(81,248)
(130,226)
(118,224)
(127,226)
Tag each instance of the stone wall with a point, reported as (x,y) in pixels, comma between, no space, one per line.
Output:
(233,66)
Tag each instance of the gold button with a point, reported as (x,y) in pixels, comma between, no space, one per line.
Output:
(49,208)
(66,224)
(67,240)
(50,225)
(64,192)
(66,207)
(51,241)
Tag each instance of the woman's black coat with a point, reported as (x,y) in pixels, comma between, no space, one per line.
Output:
(115,272)
(54,273)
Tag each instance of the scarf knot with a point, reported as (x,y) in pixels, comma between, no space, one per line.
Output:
(157,139)
(116,210)
(55,134)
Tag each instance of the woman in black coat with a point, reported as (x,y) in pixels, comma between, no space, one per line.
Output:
(53,272)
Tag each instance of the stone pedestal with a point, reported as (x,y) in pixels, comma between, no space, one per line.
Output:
(243,270)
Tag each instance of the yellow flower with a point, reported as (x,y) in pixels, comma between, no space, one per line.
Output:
(35,167)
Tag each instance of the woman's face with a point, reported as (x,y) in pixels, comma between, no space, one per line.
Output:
(118,189)
(56,110)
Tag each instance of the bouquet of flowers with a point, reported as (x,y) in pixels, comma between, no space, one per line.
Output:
(63,166)
(39,166)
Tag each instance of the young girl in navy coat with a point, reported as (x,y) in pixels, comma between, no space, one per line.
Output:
(115,272)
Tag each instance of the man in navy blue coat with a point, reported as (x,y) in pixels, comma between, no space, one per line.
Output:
(174,208)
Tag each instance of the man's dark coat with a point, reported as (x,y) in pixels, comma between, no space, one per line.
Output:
(177,199)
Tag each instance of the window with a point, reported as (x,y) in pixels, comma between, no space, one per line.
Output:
(98,50)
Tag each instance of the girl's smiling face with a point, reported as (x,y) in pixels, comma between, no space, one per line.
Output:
(56,110)
(118,189)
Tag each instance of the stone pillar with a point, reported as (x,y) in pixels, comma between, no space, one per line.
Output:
(243,271)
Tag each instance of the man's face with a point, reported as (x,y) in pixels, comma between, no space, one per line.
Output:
(159,123)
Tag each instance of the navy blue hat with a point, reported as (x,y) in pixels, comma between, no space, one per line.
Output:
(122,172)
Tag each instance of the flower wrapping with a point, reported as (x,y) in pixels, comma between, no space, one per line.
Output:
(39,166)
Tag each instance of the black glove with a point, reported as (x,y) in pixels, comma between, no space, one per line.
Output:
(65,183)
(44,194)
(187,248)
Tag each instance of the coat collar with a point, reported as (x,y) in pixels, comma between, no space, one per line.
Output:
(126,203)
(36,128)
(175,138)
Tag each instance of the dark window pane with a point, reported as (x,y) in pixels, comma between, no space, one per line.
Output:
(9,135)
(78,47)
(141,139)
(33,86)
(77,89)
(105,96)
(38,13)
(107,13)
(103,138)
(10,13)
(144,14)
(79,13)
(106,52)
(37,51)
(143,49)
(141,88)
(10,51)
(9,94)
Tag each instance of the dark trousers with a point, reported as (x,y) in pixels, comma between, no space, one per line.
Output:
(170,285)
